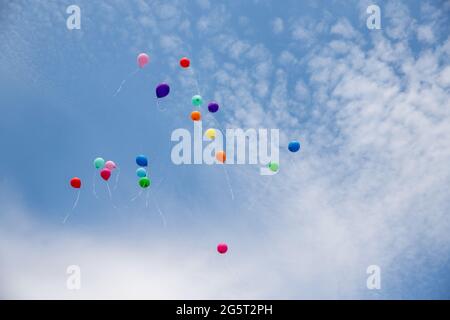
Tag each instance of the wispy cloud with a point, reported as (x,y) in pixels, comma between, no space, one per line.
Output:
(370,185)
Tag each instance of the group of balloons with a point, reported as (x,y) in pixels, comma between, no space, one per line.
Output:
(197,101)
(105,167)
(293,146)
(141,172)
(210,133)
(162,90)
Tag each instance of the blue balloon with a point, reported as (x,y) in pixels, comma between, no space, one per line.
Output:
(141,172)
(162,90)
(294,146)
(142,161)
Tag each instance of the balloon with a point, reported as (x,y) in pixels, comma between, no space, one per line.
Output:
(294,146)
(221,156)
(197,100)
(99,163)
(144,182)
(196,115)
(142,161)
(210,134)
(141,172)
(142,59)
(273,166)
(110,165)
(162,90)
(105,174)
(213,107)
(184,62)
(222,248)
(75,183)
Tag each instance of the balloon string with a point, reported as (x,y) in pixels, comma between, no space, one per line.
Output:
(162,109)
(146,198)
(93,185)
(73,207)
(161,214)
(263,191)
(229,269)
(294,164)
(159,183)
(217,122)
(117,179)
(137,196)
(194,75)
(109,191)
(76,201)
(110,195)
(123,82)
(228,182)
(67,217)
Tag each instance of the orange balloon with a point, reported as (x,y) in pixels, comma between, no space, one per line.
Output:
(196,115)
(221,156)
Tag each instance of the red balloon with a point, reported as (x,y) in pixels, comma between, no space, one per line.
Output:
(184,62)
(75,183)
(105,174)
(222,248)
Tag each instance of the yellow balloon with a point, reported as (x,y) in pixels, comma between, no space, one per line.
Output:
(210,134)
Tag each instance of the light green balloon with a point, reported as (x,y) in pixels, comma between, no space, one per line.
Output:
(273,166)
(99,163)
(144,182)
(197,100)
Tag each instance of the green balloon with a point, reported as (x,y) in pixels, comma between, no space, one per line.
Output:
(144,182)
(273,166)
(99,163)
(197,100)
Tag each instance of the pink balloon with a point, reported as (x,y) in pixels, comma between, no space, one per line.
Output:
(110,165)
(142,59)
(222,248)
(105,174)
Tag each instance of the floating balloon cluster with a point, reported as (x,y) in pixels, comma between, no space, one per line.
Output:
(105,168)
(293,146)
(162,90)
(141,172)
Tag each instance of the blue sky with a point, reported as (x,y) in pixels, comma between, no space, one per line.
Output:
(370,185)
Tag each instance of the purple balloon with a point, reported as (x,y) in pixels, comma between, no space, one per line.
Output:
(162,90)
(213,107)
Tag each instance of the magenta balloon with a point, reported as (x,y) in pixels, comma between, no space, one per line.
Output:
(142,59)
(222,248)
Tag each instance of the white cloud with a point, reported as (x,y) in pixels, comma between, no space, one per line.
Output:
(399,22)
(170,42)
(444,77)
(287,58)
(344,29)
(301,90)
(368,187)
(301,33)
(425,34)
(204,4)
(277,25)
